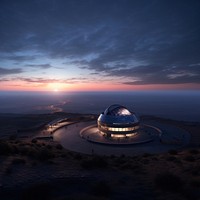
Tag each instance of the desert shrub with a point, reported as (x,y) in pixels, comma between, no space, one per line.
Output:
(189,158)
(120,161)
(147,155)
(94,162)
(195,183)
(21,144)
(34,140)
(193,151)
(191,194)
(8,170)
(135,158)
(101,189)
(15,149)
(38,145)
(145,161)
(41,154)
(173,152)
(32,152)
(59,146)
(155,158)
(13,137)
(78,156)
(18,161)
(34,163)
(39,192)
(196,171)
(44,154)
(174,159)
(122,156)
(17,141)
(112,156)
(23,150)
(169,182)
(171,158)
(126,166)
(49,146)
(63,155)
(136,167)
(5,148)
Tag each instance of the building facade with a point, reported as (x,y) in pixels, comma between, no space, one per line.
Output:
(117,121)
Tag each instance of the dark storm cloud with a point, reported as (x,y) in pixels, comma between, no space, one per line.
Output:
(38,80)
(17,58)
(42,66)
(4,71)
(150,42)
(46,80)
(160,75)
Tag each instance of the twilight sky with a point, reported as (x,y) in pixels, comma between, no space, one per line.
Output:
(99,44)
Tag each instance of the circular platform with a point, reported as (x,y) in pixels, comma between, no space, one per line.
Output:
(146,134)
(172,137)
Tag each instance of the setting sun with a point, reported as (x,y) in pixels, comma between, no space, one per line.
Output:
(55,87)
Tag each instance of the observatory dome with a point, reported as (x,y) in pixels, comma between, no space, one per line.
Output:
(118,121)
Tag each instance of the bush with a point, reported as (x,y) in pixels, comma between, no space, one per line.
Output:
(34,140)
(32,152)
(196,171)
(63,155)
(17,141)
(172,152)
(15,149)
(13,137)
(145,161)
(49,146)
(59,146)
(112,156)
(39,192)
(169,182)
(101,189)
(8,170)
(18,161)
(171,158)
(24,150)
(147,155)
(94,163)
(44,154)
(193,151)
(78,156)
(41,154)
(38,145)
(189,158)
(195,183)
(125,166)
(120,161)
(5,148)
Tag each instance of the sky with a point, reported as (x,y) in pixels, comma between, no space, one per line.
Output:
(89,45)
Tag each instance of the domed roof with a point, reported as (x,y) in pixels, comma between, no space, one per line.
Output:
(117,110)
(117,115)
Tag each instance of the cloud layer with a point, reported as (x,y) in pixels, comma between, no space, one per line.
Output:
(133,42)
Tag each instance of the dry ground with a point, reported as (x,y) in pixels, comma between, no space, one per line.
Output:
(36,169)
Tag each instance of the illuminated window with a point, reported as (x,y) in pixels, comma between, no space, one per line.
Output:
(118,136)
(129,135)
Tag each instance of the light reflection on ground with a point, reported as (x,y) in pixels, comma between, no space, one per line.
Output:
(172,138)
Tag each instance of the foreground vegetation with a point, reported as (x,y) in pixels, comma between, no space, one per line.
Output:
(67,175)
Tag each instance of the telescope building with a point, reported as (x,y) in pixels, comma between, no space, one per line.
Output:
(118,122)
